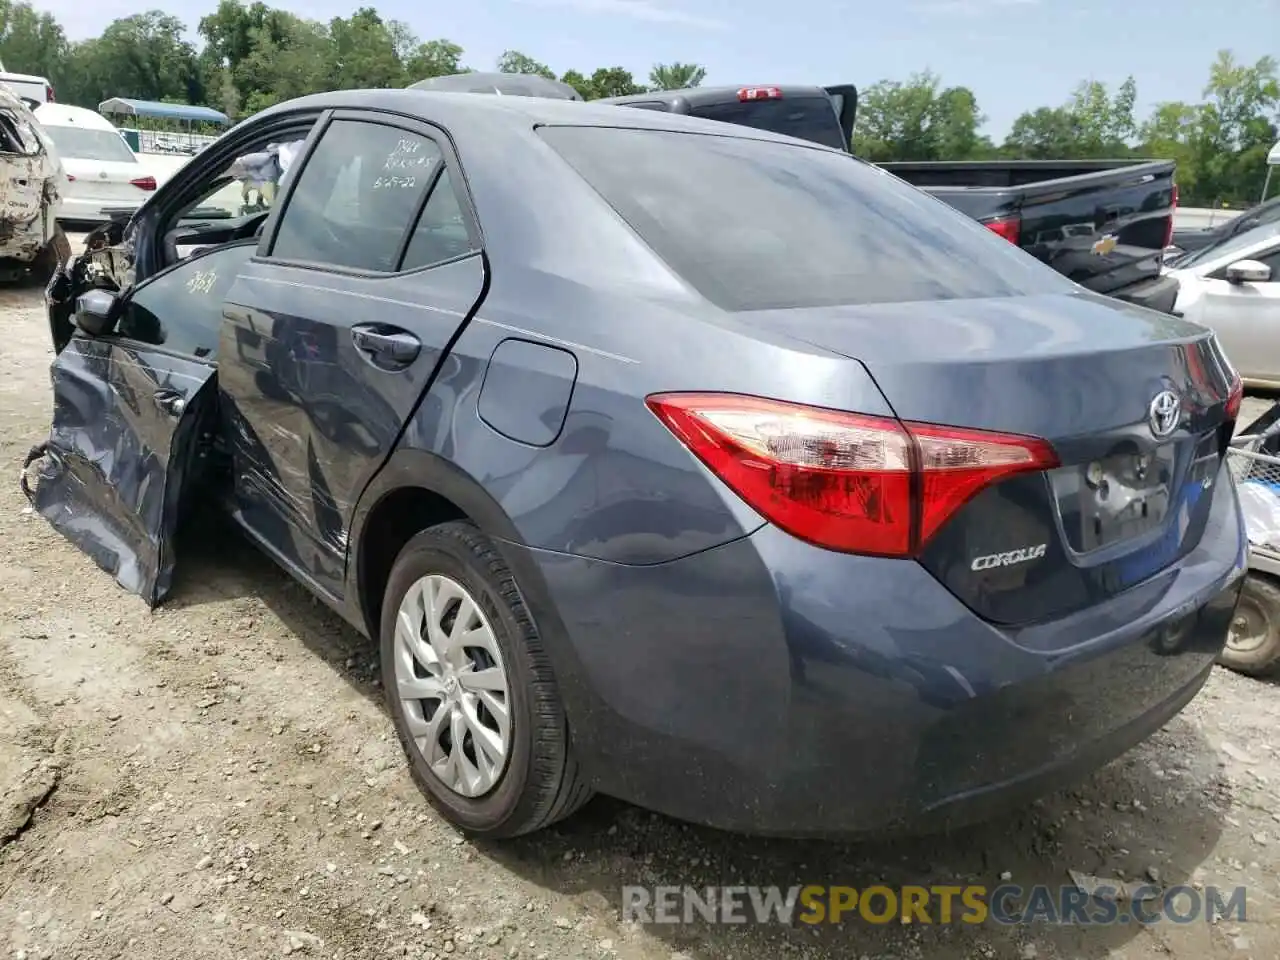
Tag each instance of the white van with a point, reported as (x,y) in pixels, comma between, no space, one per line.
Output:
(32,90)
(103,173)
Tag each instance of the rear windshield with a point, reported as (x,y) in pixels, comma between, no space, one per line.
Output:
(756,225)
(81,143)
(806,118)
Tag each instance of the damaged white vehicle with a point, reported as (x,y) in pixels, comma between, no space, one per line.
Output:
(31,177)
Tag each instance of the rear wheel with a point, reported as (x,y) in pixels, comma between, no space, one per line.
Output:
(1253,645)
(471,691)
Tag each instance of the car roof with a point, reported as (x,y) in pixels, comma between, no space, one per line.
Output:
(459,111)
(697,96)
(65,115)
(560,214)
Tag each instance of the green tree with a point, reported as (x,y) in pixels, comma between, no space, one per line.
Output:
(435,58)
(290,57)
(1238,126)
(1171,133)
(613,82)
(143,56)
(676,76)
(1094,123)
(254,55)
(31,42)
(513,61)
(240,42)
(917,119)
(1046,133)
(1104,124)
(363,52)
(580,83)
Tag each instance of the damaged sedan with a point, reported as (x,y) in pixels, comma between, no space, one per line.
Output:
(692,464)
(31,180)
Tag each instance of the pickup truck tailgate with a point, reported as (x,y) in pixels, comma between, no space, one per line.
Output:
(1103,224)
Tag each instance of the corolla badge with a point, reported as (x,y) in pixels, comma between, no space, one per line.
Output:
(1008,559)
(1164,413)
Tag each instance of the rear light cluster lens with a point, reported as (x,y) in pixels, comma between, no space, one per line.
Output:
(144,183)
(1008,227)
(48,93)
(844,481)
(1173,212)
(759,93)
(1235,397)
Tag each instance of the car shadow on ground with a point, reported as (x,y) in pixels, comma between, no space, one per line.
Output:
(218,564)
(1130,821)
(1159,810)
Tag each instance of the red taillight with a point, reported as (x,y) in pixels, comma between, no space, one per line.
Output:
(1173,212)
(1008,227)
(1235,397)
(48,93)
(144,183)
(70,177)
(844,481)
(759,93)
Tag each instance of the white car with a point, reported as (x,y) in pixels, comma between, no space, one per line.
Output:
(31,185)
(30,89)
(1233,287)
(103,173)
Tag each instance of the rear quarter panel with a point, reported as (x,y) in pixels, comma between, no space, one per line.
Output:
(614,484)
(567,273)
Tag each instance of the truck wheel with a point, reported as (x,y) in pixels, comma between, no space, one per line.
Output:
(55,253)
(471,691)
(1253,645)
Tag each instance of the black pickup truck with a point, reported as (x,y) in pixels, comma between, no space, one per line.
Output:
(1103,223)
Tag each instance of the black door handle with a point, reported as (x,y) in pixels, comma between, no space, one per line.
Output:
(386,344)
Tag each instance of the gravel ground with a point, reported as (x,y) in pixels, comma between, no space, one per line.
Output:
(219,779)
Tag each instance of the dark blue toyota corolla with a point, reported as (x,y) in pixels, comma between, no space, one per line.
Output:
(710,469)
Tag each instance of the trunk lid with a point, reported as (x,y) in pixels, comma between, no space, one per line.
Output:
(1133,402)
(104,181)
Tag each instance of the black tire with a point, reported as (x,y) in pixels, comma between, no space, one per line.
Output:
(1253,646)
(542,782)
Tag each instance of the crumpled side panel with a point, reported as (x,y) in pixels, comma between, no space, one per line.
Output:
(117,461)
(26,197)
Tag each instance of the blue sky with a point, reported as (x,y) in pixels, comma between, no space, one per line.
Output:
(1015,54)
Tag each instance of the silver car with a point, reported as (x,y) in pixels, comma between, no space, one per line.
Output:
(1233,287)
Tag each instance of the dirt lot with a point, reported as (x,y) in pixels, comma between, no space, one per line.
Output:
(219,779)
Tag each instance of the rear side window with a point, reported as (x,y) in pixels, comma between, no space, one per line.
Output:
(356,196)
(755,225)
(441,232)
(806,118)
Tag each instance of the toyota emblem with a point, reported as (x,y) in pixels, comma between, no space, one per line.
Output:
(1164,413)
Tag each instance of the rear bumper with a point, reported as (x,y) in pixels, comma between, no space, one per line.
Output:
(771,687)
(1158,294)
(89,210)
